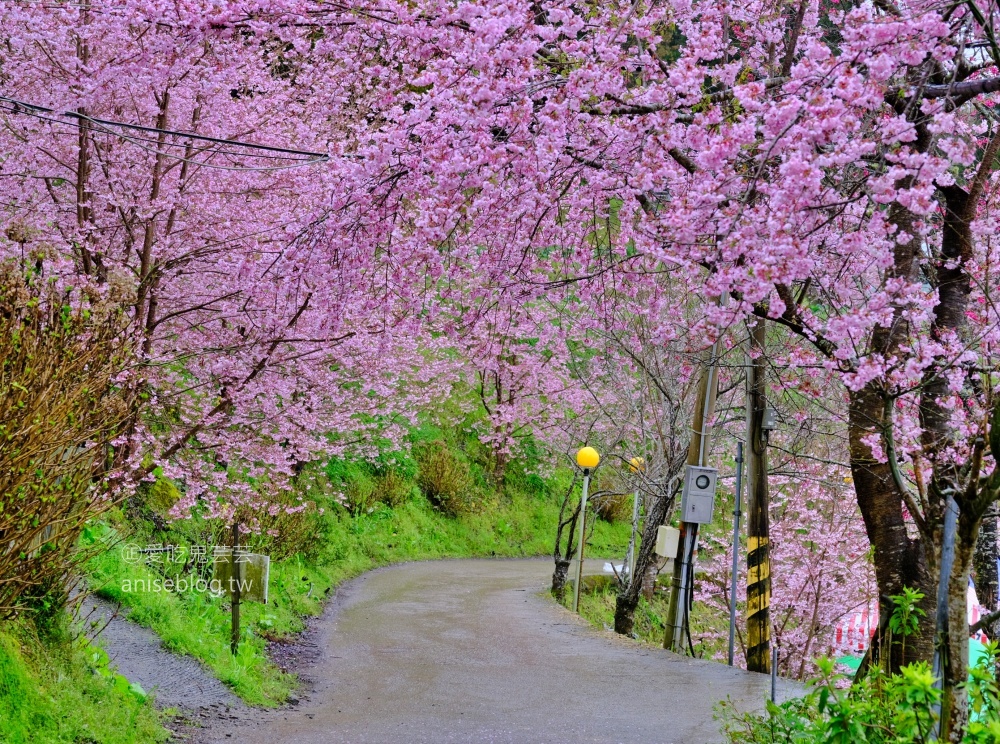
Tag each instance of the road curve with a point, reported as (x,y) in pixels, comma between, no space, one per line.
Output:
(470,651)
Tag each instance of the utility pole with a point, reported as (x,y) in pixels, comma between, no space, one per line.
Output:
(734,576)
(758,502)
(697,454)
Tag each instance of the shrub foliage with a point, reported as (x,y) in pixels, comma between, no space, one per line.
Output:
(445,478)
(62,404)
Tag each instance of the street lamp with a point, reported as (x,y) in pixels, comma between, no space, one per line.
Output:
(588,459)
(635,465)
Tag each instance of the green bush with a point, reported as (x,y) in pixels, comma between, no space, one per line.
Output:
(287,532)
(359,493)
(355,481)
(613,507)
(63,691)
(392,488)
(397,462)
(881,708)
(445,478)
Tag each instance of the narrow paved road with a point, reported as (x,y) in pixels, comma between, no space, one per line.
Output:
(468,651)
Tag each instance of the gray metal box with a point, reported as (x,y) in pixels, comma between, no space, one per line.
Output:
(769,422)
(698,496)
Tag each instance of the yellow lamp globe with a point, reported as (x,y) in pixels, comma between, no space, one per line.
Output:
(588,458)
(637,464)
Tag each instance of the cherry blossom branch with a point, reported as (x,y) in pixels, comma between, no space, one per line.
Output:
(683,160)
(641,109)
(984,622)
(983,174)
(987,30)
(793,39)
(226,404)
(793,321)
(193,308)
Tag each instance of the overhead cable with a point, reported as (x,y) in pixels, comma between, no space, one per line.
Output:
(296,158)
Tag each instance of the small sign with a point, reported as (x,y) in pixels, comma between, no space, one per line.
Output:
(253,574)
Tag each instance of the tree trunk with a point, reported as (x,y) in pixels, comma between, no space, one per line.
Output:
(955,668)
(563,558)
(559,579)
(628,598)
(985,563)
(899,559)
(937,436)
(649,580)
(625,604)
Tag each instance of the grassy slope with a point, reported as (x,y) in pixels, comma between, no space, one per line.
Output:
(598,607)
(195,624)
(61,692)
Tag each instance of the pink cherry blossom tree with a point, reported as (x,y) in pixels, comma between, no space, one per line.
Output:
(257,343)
(827,168)
(821,568)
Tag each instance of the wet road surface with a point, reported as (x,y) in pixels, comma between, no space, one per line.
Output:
(468,651)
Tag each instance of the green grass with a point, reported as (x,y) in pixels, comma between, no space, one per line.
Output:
(195,624)
(597,606)
(62,691)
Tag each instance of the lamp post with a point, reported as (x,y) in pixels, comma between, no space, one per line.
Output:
(587,458)
(636,465)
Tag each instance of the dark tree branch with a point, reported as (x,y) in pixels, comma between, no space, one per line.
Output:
(962,91)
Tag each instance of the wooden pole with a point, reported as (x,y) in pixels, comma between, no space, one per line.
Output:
(235,578)
(758,503)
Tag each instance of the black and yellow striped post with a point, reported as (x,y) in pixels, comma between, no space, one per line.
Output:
(758,502)
(758,605)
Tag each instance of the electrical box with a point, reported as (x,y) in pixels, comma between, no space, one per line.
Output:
(769,422)
(667,541)
(698,496)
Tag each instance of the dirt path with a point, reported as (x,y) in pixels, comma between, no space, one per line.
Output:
(175,681)
(467,651)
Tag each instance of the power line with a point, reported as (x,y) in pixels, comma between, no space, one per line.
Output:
(150,140)
(108,126)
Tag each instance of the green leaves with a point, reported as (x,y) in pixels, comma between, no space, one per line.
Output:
(880,709)
(982,686)
(906,613)
(100,663)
